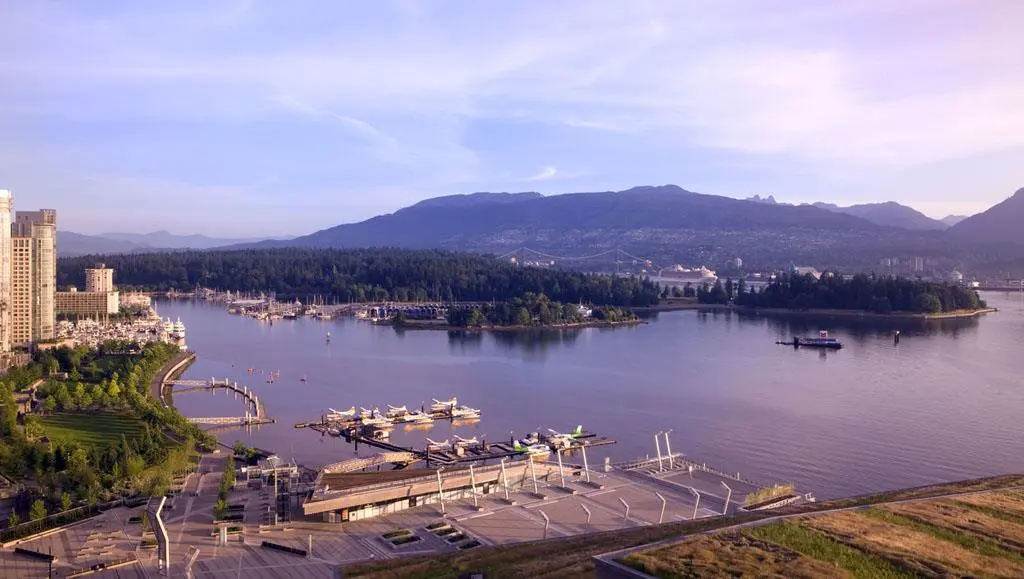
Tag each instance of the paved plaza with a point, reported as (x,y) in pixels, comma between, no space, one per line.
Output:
(579,507)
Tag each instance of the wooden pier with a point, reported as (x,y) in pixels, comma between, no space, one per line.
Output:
(255,412)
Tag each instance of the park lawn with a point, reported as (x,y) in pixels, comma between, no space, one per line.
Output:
(90,429)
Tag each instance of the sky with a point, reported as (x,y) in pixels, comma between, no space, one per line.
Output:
(241,118)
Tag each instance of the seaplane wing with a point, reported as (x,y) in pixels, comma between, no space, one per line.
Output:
(450,402)
(397,408)
(437,444)
(466,440)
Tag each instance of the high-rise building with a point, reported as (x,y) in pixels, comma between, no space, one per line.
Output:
(33,261)
(99,279)
(6,198)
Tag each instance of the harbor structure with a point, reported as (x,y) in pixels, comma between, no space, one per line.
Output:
(33,263)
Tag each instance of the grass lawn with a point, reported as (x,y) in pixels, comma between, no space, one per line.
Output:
(94,429)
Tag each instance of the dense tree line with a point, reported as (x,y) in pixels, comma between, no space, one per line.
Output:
(360,275)
(114,378)
(531,310)
(880,294)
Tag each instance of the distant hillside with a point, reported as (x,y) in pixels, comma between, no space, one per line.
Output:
(71,244)
(951,220)
(167,240)
(665,222)
(889,214)
(1001,224)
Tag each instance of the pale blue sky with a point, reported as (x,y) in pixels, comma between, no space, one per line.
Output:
(250,118)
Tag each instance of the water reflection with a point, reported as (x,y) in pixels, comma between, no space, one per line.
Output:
(790,325)
(536,344)
(465,341)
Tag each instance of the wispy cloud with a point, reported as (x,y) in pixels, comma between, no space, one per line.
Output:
(545,174)
(437,96)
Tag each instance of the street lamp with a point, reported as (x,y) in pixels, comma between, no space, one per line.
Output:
(661,518)
(668,449)
(696,505)
(274,461)
(587,511)
(440,490)
(657,447)
(547,522)
(727,497)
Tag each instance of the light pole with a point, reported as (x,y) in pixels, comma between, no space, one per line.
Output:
(533,473)
(440,490)
(696,505)
(587,511)
(661,518)
(504,480)
(547,522)
(561,472)
(274,461)
(657,446)
(625,516)
(668,449)
(472,482)
(728,496)
(586,467)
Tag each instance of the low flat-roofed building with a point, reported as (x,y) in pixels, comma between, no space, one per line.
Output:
(87,304)
(342,497)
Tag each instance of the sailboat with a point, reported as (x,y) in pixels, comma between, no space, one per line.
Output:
(328,337)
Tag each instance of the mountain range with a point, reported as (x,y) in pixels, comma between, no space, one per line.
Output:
(666,223)
(71,244)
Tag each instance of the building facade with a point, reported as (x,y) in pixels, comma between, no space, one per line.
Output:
(97,305)
(6,199)
(99,279)
(33,276)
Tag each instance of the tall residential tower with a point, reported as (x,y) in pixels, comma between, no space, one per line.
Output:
(34,276)
(6,200)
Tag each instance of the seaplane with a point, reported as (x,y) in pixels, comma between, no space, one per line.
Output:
(439,446)
(443,405)
(396,411)
(465,442)
(464,413)
(559,440)
(367,413)
(376,420)
(534,451)
(416,417)
(333,414)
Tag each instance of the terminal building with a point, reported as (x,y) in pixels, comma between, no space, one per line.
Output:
(353,496)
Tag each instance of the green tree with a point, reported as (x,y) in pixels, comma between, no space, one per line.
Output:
(523,317)
(13,519)
(38,510)
(476,318)
(65,501)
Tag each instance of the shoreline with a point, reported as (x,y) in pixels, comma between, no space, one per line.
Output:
(822,312)
(420,325)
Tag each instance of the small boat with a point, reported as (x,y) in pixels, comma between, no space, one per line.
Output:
(335,432)
(328,337)
(380,435)
(303,379)
(822,341)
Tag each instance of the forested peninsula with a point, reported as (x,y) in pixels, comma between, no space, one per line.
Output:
(362,275)
(862,292)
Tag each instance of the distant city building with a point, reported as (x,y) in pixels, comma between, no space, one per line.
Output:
(917,265)
(805,270)
(97,305)
(33,262)
(99,279)
(738,262)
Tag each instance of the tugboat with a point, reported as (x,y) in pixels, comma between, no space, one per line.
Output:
(822,341)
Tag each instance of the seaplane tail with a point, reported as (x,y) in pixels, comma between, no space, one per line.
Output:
(578,432)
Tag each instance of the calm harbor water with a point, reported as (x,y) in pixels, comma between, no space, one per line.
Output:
(944,404)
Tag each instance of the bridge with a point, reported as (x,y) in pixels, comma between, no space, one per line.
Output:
(255,413)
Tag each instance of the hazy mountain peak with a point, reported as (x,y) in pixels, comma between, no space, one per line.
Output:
(479,198)
(770,200)
(887,213)
(657,189)
(952,220)
(1000,224)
